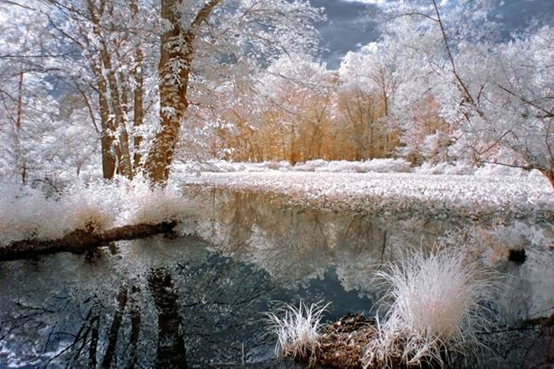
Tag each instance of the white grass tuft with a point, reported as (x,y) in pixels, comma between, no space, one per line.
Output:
(27,213)
(153,205)
(296,329)
(438,304)
(87,207)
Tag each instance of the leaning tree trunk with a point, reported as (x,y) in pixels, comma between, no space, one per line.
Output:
(173,94)
(174,70)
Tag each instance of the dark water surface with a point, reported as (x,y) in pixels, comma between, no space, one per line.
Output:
(202,298)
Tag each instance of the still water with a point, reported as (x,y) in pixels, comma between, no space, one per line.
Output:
(199,300)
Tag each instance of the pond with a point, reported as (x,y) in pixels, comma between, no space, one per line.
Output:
(202,298)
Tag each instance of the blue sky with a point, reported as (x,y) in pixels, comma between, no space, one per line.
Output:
(352,23)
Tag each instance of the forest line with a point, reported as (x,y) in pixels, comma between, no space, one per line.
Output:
(105,88)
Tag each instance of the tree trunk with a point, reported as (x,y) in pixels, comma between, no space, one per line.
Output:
(173,94)
(80,241)
(19,121)
(19,126)
(171,352)
(174,70)
(138,75)
(125,166)
(138,108)
(107,139)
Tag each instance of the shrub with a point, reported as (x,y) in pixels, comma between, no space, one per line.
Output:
(296,329)
(437,304)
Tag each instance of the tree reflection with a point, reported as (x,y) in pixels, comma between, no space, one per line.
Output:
(183,303)
(186,313)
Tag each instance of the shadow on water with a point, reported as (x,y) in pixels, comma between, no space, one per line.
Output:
(199,301)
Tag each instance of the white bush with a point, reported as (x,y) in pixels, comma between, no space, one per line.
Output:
(490,170)
(296,329)
(27,213)
(345,166)
(446,168)
(437,305)
(154,205)
(309,166)
(90,208)
(388,165)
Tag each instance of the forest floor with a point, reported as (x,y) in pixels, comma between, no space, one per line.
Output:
(384,193)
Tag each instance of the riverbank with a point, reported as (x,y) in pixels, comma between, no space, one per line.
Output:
(397,195)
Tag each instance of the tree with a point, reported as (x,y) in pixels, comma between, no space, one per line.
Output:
(177,53)
(92,65)
(493,93)
(298,95)
(513,110)
(197,46)
(234,35)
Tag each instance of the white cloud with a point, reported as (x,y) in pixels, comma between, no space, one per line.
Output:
(370,48)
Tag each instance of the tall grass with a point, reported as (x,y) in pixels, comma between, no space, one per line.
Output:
(437,304)
(27,213)
(297,329)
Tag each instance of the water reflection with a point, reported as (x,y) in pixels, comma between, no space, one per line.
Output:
(295,245)
(182,303)
(153,304)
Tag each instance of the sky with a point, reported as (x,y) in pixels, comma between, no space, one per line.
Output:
(353,23)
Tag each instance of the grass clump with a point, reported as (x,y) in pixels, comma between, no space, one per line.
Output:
(297,330)
(437,305)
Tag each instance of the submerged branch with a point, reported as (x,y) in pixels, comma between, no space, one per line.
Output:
(80,241)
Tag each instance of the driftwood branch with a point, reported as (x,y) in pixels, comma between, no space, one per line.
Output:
(81,241)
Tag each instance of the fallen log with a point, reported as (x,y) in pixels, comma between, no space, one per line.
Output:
(80,241)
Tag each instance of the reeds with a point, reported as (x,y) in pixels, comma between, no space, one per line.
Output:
(297,329)
(437,304)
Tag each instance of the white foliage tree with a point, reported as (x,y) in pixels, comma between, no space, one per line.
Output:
(494,94)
